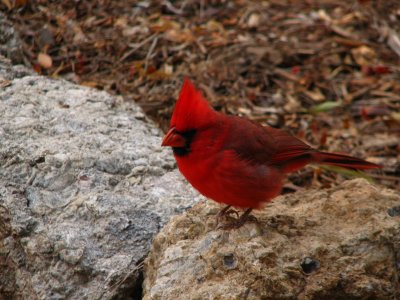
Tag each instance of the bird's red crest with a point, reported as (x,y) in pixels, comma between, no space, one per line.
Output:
(191,110)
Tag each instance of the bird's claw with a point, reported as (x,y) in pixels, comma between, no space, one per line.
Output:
(225,213)
(234,222)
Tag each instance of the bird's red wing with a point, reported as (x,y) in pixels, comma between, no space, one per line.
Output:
(288,146)
(266,145)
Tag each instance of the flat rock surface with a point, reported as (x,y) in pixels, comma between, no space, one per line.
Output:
(341,243)
(84,186)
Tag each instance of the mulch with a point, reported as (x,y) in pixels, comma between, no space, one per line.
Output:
(327,71)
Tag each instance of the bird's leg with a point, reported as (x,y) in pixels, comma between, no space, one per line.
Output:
(240,221)
(244,217)
(226,211)
(222,212)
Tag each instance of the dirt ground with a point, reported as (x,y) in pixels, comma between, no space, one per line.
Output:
(327,71)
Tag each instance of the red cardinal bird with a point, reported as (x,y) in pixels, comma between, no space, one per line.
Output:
(235,161)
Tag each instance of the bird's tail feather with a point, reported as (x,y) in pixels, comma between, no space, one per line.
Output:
(344,161)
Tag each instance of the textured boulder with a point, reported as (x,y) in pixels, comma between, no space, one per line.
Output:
(84,186)
(10,43)
(341,243)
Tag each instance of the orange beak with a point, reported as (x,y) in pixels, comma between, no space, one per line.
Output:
(173,139)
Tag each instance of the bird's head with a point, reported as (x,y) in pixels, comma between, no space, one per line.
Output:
(191,115)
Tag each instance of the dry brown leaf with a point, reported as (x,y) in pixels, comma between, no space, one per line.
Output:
(79,36)
(292,105)
(92,84)
(287,75)
(179,36)
(363,81)
(135,31)
(21,3)
(315,95)
(45,60)
(121,22)
(8,4)
(164,25)
(168,69)
(363,55)
(254,20)
(4,82)
(213,25)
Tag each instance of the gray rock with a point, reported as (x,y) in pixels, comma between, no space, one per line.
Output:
(84,186)
(9,72)
(10,43)
(341,243)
